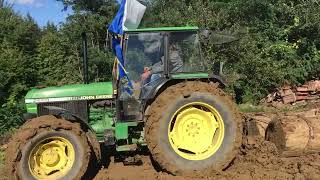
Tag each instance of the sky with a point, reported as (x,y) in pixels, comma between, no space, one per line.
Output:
(42,11)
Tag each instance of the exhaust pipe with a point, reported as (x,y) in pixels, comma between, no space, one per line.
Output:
(85,59)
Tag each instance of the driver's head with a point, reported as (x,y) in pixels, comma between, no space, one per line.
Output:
(174,47)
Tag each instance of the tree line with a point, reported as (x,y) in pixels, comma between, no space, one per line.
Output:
(273,42)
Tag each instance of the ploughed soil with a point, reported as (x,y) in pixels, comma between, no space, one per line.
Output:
(258,160)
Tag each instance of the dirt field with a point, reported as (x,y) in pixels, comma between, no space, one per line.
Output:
(259,161)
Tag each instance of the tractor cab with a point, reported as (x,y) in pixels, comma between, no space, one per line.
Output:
(152,57)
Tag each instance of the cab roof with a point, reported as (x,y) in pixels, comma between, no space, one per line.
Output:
(184,28)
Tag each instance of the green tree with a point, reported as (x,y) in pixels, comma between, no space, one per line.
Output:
(57,60)
(18,40)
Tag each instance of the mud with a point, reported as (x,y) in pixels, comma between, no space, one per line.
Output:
(257,161)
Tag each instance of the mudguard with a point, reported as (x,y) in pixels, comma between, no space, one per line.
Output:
(164,82)
(64,113)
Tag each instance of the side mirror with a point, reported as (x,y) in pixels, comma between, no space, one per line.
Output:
(218,68)
(221,68)
(217,37)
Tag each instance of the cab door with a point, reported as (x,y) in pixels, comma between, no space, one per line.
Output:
(144,65)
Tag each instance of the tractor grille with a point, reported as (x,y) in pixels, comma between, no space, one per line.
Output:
(79,108)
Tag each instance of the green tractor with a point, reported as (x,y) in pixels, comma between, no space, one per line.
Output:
(167,104)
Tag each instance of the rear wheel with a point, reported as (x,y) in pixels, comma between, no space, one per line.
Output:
(193,128)
(50,148)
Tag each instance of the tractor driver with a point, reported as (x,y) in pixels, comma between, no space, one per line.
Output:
(153,73)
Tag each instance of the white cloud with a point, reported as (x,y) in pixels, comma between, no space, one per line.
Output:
(35,3)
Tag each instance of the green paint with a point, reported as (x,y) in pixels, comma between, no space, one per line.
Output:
(100,137)
(122,129)
(186,28)
(93,89)
(189,75)
(123,148)
(140,140)
(101,119)
(31,108)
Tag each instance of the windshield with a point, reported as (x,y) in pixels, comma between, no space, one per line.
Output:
(143,50)
(184,53)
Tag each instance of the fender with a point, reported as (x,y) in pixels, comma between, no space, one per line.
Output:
(27,116)
(219,79)
(154,91)
(165,82)
(61,112)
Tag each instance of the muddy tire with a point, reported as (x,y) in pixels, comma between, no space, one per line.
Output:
(159,120)
(46,134)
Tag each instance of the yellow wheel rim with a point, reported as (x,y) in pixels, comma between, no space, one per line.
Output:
(196,131)
(51,158)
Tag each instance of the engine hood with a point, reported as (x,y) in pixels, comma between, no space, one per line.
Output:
(74,92)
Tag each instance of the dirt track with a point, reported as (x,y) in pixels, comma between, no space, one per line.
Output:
(259,161)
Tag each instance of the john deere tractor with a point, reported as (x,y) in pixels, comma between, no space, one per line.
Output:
(164,102)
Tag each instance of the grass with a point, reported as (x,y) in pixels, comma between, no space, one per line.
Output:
(249,108)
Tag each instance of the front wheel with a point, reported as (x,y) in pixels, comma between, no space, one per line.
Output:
(49,148)
(193,128)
